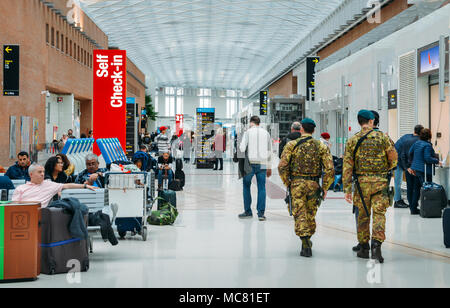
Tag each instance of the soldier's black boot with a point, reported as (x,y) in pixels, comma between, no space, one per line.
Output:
(357,247)
(363,251)
(306,247)
(376,251)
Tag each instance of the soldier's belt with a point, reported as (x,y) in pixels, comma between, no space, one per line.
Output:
(308,178)
(381,175)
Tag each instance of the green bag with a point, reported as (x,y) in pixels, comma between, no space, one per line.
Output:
(166,215)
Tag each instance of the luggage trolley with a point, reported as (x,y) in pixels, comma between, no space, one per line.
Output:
(129,192)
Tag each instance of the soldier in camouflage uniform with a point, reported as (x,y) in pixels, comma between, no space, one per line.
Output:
(300,170)
(375,157)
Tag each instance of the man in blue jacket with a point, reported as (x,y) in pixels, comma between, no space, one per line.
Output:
(403,145)
(19,171)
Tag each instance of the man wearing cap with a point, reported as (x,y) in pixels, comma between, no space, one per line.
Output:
(163,141)
(368,166)
(301,166)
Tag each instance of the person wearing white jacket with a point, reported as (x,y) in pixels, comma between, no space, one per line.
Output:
(257,144)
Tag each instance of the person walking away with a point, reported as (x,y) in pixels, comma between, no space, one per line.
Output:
(403,145)
(186,146)
(301,167)
(219,148)
(293,135)
(421,154)
(163,141)
(369,156)
(257,144)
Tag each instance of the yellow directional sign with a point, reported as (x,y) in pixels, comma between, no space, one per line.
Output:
(8,49)
(316,60)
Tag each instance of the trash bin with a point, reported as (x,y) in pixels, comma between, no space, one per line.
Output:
(20,238)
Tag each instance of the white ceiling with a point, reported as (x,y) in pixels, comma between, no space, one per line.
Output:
(226,44)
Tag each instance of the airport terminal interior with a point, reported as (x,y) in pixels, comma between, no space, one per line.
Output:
(225,144)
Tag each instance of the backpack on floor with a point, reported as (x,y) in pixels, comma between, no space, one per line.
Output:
(166,215)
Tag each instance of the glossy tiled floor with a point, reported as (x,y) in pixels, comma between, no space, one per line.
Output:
(210,247)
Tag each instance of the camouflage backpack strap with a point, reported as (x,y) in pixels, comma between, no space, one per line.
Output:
(355,176)
(300,142)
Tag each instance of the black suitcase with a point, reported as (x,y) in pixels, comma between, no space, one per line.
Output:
(446,226)
(60,253)
(178,164)
(179,175)
(432,200)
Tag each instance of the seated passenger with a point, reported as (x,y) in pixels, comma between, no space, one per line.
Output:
(165,169)
(143,157)
(40,190)
(68,167)
(19,171)
(92,175)
(54,170)
(5,182)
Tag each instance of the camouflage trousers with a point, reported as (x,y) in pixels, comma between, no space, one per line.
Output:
(305,202)
(377,202)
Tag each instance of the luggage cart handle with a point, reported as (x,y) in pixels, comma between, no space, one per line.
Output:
(145,174)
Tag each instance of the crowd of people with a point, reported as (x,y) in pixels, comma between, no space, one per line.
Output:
(304,161)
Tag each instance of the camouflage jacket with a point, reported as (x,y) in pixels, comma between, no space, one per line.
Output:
(376,156)
(309,159)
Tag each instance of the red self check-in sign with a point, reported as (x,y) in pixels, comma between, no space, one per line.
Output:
(109,110)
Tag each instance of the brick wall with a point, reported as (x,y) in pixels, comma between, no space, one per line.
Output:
(285,86)
(60,68)
(387,12)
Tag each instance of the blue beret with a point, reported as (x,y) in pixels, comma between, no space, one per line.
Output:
(366,114)
(308,121)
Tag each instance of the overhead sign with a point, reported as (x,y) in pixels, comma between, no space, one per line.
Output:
(11,70)
(311,77)
(109,106)
(263,102)
(392,99)
(179,123)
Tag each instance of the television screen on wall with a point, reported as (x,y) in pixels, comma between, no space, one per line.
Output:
(428,59)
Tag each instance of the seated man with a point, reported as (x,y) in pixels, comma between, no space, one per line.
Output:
(19,171)
(92,175)
(165,169)
(40,190)
(142,159)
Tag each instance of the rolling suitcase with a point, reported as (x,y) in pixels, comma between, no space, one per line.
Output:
(20,236)
(446,226)
(433,199)
(169,196)
(60,252)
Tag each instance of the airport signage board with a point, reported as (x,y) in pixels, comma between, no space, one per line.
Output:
(109,106)
(392,99)
(11,70)
(205,137)
(311,77)
(131,128)
(263,102)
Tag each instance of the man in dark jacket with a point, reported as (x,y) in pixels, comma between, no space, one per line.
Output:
(403,145)
(19,171)
(294,135)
